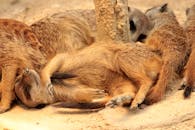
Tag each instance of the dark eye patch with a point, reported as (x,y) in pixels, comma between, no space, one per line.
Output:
(132,26)
(141,37)
(26,91)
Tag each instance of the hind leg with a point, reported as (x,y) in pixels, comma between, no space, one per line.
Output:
(73,90)
(84,94)
(7,86)
(122,95)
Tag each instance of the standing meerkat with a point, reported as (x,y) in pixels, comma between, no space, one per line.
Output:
(189,74)
(169,39)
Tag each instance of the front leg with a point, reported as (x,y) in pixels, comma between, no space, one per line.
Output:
(7,87)
(146,83)
(50,68)
(123,94)
(63,63)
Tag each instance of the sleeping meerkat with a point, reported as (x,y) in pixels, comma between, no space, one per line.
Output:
(15,35)
(126,72)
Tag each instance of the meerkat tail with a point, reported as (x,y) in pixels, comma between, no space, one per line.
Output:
(62,76)
(97,104)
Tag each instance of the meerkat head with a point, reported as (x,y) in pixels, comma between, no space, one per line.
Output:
(190,12)
(139,25)
(155,11)
(29,90)
(25,83)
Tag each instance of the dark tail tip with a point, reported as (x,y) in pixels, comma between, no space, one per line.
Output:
(92,105)
(62,76)
(187,91)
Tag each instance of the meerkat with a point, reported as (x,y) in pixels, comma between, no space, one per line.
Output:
(61,32)
(115,68)
(20,48)
(35,96)
(54,32)
(138,21)
(139,25)
(189,74)
(168,38)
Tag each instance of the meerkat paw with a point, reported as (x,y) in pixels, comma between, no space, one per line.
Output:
(135,103)
(119,101)
(45,79)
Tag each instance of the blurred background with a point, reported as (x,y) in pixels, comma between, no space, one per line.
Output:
(30,11)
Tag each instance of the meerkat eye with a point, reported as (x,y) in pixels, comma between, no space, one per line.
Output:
(132,26)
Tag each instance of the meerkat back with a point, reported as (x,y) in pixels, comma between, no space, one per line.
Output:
(62,32)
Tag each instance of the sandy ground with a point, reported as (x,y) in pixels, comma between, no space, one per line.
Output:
(173,113)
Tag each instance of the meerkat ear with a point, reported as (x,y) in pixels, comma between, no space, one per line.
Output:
(163,8)
(187,11)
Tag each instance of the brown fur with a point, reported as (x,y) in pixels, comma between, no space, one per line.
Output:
(21,49)
(17,50)
(50,29)
(34,96)
(189,74)
(87,14)
(115,68)
(62,32)
(167,37)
